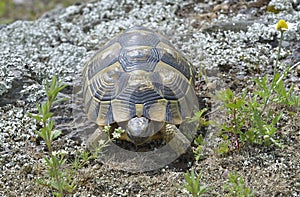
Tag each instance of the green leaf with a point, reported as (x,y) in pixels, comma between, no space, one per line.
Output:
(55,134)
(45,109)
(55,161)
(53,84)
(40,108)
(46,116)
(62,162)
(280,145)
(60,101)
(277,118)
(39,133)
(61,87)
(37,117)
(50,126)
(43,133)
(235,186)
(193,184)
(85,156)
(48,161)
(225,95)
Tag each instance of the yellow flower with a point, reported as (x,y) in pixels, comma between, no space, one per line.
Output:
(282,26)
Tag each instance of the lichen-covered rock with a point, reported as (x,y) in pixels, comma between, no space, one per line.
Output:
(283,5)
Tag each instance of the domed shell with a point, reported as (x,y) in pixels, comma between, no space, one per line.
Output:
(138,73)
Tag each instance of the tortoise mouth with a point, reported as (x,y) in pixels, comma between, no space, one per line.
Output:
(138,140)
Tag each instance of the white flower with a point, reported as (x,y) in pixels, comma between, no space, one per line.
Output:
(116,135)
(59,153)
(107,127)
(120,130)
(101,142)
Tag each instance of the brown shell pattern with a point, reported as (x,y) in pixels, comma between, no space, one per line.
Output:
(138,73)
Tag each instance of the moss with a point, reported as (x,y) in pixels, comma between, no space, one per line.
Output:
(273,9)
(29,10)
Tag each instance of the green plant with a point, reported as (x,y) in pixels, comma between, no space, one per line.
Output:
(83,158)
(60,175)
(282,96)
(236,111)
(6,7)
(223,147)
(199,141)
(46,132)
(252,116)
(192,184)
(198,118)
(57,178)
(235,186)
(246,122)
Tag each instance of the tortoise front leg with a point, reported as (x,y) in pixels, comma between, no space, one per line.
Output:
(178,142)
(97,138)
(100,136)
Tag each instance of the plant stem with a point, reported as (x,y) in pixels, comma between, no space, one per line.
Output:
(278,54)
(58,180)
(235,128)
(48,131)
(274,83)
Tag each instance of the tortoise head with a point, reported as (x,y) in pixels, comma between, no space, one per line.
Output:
(141,130)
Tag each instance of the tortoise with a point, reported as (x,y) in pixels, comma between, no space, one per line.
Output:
(140,82)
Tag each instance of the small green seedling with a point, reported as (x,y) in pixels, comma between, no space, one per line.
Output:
(235,186)
(199,141)
(192,184)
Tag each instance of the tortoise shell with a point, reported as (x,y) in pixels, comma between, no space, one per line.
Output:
(138,74)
